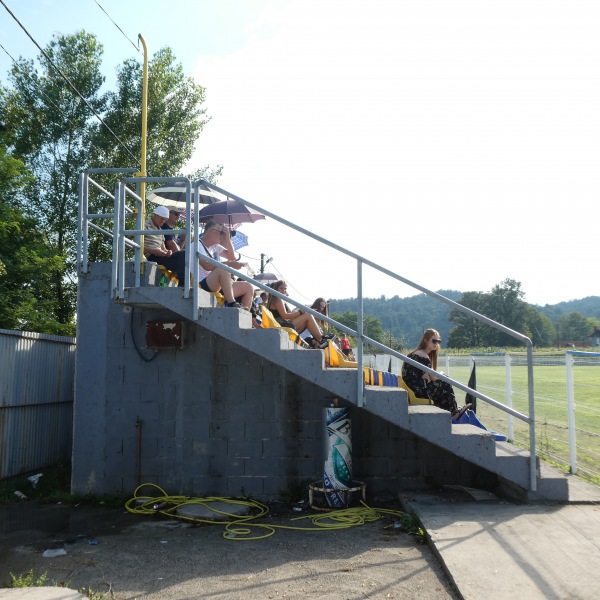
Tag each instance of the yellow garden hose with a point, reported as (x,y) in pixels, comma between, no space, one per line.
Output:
(241,527)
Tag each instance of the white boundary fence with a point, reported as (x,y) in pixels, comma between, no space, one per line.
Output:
(567,404)
(567,410)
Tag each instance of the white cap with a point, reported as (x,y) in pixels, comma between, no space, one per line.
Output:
(162,211)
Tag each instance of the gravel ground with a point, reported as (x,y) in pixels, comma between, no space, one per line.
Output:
(126,556)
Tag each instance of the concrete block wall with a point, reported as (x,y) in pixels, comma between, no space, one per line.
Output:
(213,418)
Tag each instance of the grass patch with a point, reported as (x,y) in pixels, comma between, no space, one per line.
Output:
(31,579)
(551,411)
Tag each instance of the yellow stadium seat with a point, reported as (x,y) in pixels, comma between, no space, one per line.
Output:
(220,298)
(412,399)
(268,322)
(334,357)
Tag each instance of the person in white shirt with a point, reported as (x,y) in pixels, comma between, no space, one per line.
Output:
(216,243)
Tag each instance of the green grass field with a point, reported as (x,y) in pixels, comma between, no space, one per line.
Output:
(550,391)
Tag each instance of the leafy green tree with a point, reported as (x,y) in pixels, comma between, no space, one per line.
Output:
(469,332)
(49,128)
(26,260)
(175,120)
(541,328)
(505,305)
(175,117)
(573,327)
(27,264)
(371,325)
(56,135)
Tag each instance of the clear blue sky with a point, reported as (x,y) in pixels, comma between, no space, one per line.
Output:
(456,143)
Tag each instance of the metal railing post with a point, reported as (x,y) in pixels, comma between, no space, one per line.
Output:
(192,247)
(360,378)
(121,241)
(509,395)
(569,360)
(115,242)
(82,242)
(532,440)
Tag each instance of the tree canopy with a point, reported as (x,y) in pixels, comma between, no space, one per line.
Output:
(55,134)
(27,261)
(404,319)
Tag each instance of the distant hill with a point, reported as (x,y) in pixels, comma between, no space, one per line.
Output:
(588,307)
(407,318)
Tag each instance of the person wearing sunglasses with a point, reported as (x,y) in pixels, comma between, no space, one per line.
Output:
(425,385)
(215,242)
(297,319)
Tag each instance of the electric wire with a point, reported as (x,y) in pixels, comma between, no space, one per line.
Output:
(69,83)
(298,292)
(245,527)
(37,87)
(116,25)
(137,349)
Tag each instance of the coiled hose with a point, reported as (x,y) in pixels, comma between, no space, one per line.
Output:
(245,527)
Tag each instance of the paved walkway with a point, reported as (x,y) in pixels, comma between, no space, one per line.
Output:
(496,549)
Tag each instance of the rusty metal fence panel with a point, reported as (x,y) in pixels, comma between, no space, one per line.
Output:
(37,373)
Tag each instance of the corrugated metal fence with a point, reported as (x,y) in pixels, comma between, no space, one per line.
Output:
(37,374)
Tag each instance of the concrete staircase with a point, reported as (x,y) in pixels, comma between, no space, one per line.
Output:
(471,443)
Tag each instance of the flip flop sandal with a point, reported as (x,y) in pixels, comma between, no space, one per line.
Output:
(461,411)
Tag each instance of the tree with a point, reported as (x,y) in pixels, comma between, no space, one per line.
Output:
(503,304)
(573,327)
(54,132)
(27,264)
(175,120)
(26,260)
(469,332)
(175,117)
(49,127)
(371,325)
(541,327)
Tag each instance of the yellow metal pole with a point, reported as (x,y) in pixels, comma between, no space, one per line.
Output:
(144,142)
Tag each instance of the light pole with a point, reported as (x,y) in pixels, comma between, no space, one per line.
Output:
(263,262)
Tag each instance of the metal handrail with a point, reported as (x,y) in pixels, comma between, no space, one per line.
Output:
(360,261)
(191,247)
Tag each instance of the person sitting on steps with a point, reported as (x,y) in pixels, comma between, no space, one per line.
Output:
(299,320)
(320,306)
(215,242)
(173,242)
(154,245)
(425,385)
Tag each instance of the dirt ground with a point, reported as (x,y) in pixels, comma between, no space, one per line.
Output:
(127,556)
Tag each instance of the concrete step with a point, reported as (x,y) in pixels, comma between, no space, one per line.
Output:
(472,443)
(433,424)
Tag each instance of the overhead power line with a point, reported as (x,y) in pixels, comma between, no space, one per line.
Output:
(36,85)
(69,83)
(116,25)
